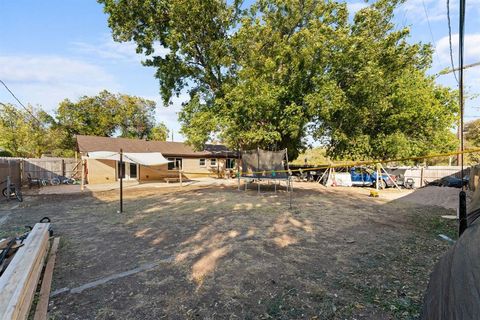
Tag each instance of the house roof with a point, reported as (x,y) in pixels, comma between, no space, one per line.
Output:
(167,148)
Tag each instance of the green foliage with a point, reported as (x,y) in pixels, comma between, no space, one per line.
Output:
(158,133)
(314,156)
(105,114)
(22,135)
(262,76)
(5,153)
(472,140)
(377,102)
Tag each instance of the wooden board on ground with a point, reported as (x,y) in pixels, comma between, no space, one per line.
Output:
(42,304)
(20,279)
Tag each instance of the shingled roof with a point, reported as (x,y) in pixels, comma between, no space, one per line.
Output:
(167,148)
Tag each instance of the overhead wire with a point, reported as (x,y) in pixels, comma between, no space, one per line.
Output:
(450,40)
(429,27)
(23,106)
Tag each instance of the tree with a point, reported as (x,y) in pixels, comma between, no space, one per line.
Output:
(263,76)
(472,139)
(246,70)
(105,115)
(24,135)
(376,101)
(158,133)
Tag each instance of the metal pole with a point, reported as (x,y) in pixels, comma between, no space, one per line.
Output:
(180,172)
(8,184)
(121,180)
(258,167)
(463,224)
(82,181)
(390,177)
(462,196)
(238,170)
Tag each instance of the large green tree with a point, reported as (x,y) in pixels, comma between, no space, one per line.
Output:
(267,74)
(31,134)
(376,101)
(107,114)
(472,139)
(25,134)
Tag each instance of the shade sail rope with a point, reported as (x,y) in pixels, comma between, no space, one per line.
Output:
(355,163)
(328,166)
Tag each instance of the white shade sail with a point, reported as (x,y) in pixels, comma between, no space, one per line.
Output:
(143,158)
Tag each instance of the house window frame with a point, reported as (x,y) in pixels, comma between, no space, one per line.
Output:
(230,161)
(204,162)
(175,163)
(213,162)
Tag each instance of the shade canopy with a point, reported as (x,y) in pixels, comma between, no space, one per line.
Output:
(143,158)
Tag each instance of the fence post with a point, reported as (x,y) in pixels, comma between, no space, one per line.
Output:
(63,168)
(421,176)
(8,186)
(22,171)
(82,178)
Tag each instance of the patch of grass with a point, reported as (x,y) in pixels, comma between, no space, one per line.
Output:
(433,225)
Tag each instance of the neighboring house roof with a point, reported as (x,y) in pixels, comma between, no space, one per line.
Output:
(167,148)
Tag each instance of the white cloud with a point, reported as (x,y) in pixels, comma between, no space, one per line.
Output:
(353,7)
(414,10)
(471,75)
(472,49)
(108,49)
(48,79)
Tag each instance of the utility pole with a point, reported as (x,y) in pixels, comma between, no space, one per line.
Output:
(462,210)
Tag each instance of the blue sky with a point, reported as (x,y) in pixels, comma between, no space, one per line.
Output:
(56,49)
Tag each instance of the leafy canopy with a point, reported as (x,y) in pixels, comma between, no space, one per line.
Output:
(269,74)
(105,114)
(23,135)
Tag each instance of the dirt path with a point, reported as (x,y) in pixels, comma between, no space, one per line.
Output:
(217,253)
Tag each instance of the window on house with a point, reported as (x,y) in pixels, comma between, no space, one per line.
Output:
(213,162)
(230,163)
(202,162)
(176,164)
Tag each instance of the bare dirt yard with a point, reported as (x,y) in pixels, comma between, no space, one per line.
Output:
(201,252)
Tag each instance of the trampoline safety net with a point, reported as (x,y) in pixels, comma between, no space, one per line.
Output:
(264,164)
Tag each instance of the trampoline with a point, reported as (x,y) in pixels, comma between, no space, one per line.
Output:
(265,166)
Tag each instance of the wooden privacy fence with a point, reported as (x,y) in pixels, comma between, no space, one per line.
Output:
(10,167)
(48,168)
(44,168)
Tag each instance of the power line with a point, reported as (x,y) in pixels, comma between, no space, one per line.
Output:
(450,40)
(429,27)
(26,109)
(447,71)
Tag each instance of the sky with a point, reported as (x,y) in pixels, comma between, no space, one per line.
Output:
(56,49)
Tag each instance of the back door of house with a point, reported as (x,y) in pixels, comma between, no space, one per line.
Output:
(130,170)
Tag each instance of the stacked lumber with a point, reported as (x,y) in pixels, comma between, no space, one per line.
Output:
(19,281)
(8,248)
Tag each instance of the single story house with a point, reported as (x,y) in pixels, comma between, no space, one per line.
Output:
(215,160)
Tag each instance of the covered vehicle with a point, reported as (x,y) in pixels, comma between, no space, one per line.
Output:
(367,177)
(454,288)
(450,181)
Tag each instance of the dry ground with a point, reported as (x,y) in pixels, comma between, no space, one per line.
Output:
(219,253)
